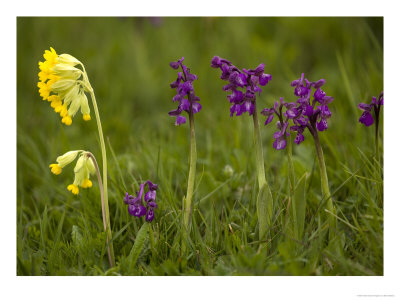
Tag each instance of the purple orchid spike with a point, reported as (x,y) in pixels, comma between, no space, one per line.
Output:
(186,97)
(135,204)
(304,113)
(248,80)
(366,117)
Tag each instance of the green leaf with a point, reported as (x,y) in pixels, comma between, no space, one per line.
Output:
(138,246)
(264,209)
(76,236)
(299,205)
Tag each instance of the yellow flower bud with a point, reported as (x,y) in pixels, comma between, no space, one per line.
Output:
(68,59)
(67,158)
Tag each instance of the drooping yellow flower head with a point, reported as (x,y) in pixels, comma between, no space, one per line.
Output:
(63,84)
(83,169)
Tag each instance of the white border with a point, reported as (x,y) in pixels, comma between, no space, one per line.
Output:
(196,287)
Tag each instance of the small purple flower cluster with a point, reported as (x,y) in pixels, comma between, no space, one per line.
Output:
(366,117)
(135,204)
(303,113)
(186,97)
(248,80)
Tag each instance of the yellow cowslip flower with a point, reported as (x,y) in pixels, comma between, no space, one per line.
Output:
(64,160)
(83,169)
(63,84)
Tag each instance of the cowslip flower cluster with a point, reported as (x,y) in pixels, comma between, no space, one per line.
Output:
(64,85)
(303,113)
(248,80)
(135,204)
(186,97)
(366,117)
(83,169)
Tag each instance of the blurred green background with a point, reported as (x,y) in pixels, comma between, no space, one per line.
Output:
(127,61)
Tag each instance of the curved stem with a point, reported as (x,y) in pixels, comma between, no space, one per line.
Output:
(104,157)
(103,210)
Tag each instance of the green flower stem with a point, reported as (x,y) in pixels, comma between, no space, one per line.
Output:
(290,165)
(377,138)
(103,210)
(264,199)
(104,156)
(259,150)
(187,205)
(291,176)
(324,183)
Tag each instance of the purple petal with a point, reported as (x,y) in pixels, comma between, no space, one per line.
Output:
(152,186)
(128,198)
(241,80)
(299,138)
(259,70)
(236,108)
(279,144)
(318,84)
(228,87)
(196,107)
(174,65)
(365,106)
(185,87)
(253,80)
(269,119)
(277,134)
(236,96)
(184,105)
(267,111)
(325,112)
(322,125)
(150,215)
(191,77)
(177,98)
(175,112)
(176,83)
(366,118)
(292,113)
(225,72)
(232,77)
(216,62)
(152,204)
(150,195)
(264,79)
(248,106)
(308,111)
(298,82)
(319,94)
(380,99)
(180,120)
(327,99)
(137,211)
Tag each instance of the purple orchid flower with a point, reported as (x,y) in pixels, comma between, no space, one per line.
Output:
(135,204)
(248,80)
(186,97)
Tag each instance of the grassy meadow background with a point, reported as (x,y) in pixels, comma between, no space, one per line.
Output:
(127,61)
